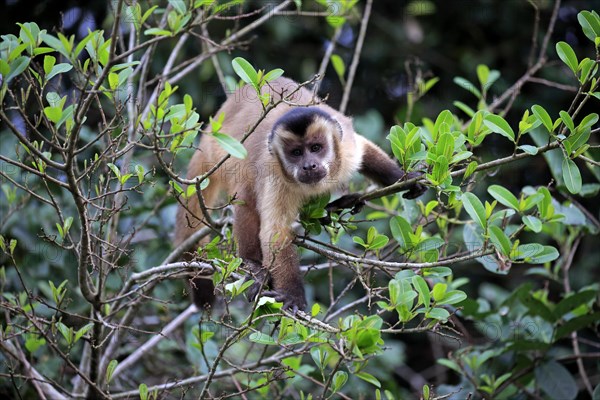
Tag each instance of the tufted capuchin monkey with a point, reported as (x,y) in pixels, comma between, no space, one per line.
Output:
(296,152)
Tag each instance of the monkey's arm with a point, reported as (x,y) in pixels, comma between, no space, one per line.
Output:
(280,256)
(264,239)
(378,166)
(281,259)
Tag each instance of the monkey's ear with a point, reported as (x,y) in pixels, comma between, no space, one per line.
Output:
(270,140)
(339,127)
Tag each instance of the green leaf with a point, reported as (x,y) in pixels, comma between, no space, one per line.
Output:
(339,380)
(17,67)
(59,69)
(12,245)
(590,24)
(143,388)
(533,223)
(500,240)
(379,242)
(474,208)
(83,330)
(262,338)
(577,140)
(110,369)
(316,308)
(231,145)
(453,297)
(542,115)
(470,169)
(483,73)
(65,331)
(426,392)
(360,241)
(567,55)
(460,156)
(571,175)
(499,125)
(139,170)
(439,291)
(368,378)
(60,230)
(504,196)
(49,62)
(576,324)
(548,254)
(556,381)
(113,80)
(157,32)
(424,88)
(34,342)
(338,66)
(567,120)
(178,5)
(115,170)
(450,365)
(532,150)
(53,113)
(320,356)
(588,121)
(402,232)
(464,108)
(570,303)
(273,74)
(421,287)
(245,70)
(438,313)
(465,84)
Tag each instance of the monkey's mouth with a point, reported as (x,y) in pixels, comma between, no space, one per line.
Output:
(311,177)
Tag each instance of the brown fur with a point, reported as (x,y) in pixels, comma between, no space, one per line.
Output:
(271,195)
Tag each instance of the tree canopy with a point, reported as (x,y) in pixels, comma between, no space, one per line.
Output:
(485,287)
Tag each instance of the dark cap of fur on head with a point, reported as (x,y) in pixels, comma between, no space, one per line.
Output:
(299,119)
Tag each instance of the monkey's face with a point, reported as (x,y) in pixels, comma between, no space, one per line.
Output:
(307,161)
(306,150)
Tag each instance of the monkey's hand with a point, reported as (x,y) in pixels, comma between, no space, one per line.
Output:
(415,190)
(351,200)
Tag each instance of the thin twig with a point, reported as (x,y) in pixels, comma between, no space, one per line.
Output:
(356,56)
(215,60)
(326,58)
(567,287)
(150,344)
(404,185)
(388,265)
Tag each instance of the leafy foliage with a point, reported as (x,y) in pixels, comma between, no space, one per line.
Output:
(96,178)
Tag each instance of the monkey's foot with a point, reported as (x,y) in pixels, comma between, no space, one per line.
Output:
(417,189)
(291,301)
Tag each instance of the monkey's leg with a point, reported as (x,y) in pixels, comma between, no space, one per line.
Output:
(378,166)
(246,228)
(190,219)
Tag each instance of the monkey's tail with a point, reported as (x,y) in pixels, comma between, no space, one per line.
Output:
(203,292)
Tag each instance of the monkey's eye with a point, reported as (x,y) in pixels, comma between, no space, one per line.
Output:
(315,147)
(296,152)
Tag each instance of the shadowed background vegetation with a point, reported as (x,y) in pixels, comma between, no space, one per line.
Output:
(407,43)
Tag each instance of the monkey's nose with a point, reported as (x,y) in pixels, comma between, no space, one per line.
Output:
(307,167)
